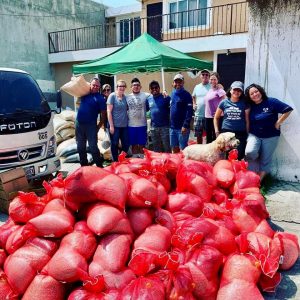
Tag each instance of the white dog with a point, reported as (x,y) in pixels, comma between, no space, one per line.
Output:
(214,151)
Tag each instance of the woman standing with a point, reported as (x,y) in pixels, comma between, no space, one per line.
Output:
(264,129)
(212,100)
(118,119)
(106,90)
(236,115)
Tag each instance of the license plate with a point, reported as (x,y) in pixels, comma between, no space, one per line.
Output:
(29,171)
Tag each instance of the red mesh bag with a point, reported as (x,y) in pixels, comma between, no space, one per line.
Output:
(243,221)
(67,265)
(140,219)
(103,218)
(178,283)
(208,260)
(2,257)
(55,221)
(23,265)
(192,232)
(170,161)
(290,249)
(81,240)
(117,280)
(205,289)
(143,261)
(224,173)
(6,292)
(25,207)
(264,228)
(199,168)
(144,288)
(222,239)
(82,294)
(46,288)
(165,218)
(143,193)
(155,237)
(113,252)
(268,284)
(5,231)
(239,289)
(220,196)
(239,266)
(185,202)
(89,184)
(246,179)
(181,217)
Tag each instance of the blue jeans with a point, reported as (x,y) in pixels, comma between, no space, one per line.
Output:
(259,152)
(179,139)
(120,133)
(160,139)
(87,133)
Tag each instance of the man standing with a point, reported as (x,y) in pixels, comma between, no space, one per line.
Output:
(86,127)
(137,123)
(181,112)
(159,107)
(198,94)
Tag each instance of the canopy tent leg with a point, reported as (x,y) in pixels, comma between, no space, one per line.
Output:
(115,82)
(163,79)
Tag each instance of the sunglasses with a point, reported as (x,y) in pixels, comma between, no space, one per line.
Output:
(121,86)
(154,87)
(106,90)
(205,74)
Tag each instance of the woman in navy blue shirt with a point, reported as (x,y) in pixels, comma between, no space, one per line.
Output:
(264,129)
(236,115)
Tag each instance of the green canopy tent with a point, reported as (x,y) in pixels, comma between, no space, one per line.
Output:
(144,54)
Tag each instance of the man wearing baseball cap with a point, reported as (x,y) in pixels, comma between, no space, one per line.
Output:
(181,112)
(198,95)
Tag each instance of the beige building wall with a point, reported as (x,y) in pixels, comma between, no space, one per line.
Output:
(221,19)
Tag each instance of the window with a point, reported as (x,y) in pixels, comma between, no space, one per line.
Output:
(184,13)
(130,29)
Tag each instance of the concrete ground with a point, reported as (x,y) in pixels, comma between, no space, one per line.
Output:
(283,202)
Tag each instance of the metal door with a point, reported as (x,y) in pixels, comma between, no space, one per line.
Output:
(154,20)
(231,67)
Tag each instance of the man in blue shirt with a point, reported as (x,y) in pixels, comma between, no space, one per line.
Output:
(181,113)
(159,107)
(86,127)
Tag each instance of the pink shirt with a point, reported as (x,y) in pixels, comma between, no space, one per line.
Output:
(212,100)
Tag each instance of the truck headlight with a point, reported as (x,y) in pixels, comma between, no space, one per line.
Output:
(51,147)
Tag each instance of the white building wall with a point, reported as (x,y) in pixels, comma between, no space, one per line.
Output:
(273,61)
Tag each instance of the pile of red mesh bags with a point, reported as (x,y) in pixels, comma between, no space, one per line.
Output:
(155,228)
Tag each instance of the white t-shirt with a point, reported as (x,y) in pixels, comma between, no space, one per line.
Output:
(137,109)
(200,92)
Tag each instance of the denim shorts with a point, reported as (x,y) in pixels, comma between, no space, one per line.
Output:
(177,139)
(199,126)
(137,135)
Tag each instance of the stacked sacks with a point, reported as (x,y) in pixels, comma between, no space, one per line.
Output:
(64,129)
(64,126)
(159,227)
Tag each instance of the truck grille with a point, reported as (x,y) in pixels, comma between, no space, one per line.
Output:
(22,155)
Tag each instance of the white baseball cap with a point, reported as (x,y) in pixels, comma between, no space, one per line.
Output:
(178,76)
(237,85)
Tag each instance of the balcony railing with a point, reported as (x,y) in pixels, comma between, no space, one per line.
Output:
(217,20)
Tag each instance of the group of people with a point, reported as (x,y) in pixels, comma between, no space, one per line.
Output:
(250,114)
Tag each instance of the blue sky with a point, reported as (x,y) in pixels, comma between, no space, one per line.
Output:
(116,3)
